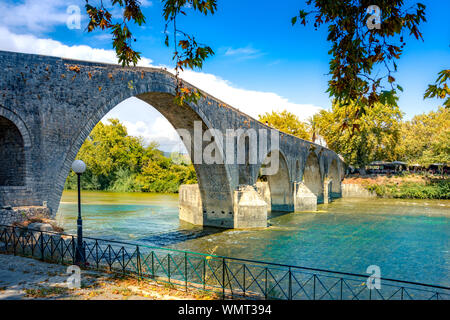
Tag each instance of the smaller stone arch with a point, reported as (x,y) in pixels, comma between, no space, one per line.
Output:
(12,155)
(11,116)
(25,156)
(279,185)
(333,174)
(312,176)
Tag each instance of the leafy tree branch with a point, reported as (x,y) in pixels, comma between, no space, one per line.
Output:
(359,54)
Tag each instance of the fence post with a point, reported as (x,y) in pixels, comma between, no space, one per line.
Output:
(204,273)
(73,250)
(51,247)
(62,250)
(14,240)
(42,246)
(153,265)
(97,259)
(223,278)
(123,259)
(138,262)
(185,271)
(168,265)
(109,256)
(341,287)
(290,284)
(265,286)
(243,278)
(314,287)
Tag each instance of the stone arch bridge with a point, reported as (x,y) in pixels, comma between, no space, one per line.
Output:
(49,105)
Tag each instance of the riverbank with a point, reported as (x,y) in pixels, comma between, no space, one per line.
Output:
(409,186)
(25,278)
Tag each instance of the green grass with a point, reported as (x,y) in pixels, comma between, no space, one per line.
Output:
(433,189)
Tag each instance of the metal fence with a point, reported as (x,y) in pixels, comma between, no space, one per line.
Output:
(228,277)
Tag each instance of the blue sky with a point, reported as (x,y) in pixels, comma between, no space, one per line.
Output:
(258,52)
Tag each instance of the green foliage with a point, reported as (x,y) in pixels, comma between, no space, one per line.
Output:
(286,122)
(373,136)
(101,18)
(187,52)
(433,189)
(440,89)
(118,162)
(426,138)
(357,51)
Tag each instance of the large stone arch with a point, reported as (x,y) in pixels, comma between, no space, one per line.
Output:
(213,179)
(280,185)
(312,176)
(333,174)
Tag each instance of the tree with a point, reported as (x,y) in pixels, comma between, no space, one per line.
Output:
(109,152)
(109,147)
(118,162)
(360,46)
(187,51)
(286,122)
(426,138)
(378,132)
(440,89)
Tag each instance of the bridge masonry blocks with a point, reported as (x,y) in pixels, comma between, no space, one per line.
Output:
(55,103)
(264,191)
(250,209)
(304,199)
(190,204)
(327,183)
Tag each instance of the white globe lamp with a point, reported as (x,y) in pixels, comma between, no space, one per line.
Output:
(78,166)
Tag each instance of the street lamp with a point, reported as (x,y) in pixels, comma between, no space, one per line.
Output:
(79,167)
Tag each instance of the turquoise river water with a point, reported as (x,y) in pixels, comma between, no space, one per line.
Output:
(408,239)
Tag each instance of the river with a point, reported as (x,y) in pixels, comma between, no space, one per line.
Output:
(407,239)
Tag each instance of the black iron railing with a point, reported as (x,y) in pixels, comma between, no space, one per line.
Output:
(229,277)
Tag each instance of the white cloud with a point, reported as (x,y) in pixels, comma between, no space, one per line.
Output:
(244,53)
(35,16)
(146,3)
(30,44)
(239,51)
(251,102)
(139,118)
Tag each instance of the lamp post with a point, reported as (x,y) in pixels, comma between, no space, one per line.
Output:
(79,167)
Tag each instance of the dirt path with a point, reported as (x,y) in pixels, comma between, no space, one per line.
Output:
(25,278)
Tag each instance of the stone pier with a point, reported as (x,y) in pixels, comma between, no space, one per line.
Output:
(304,199)
(250,210)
